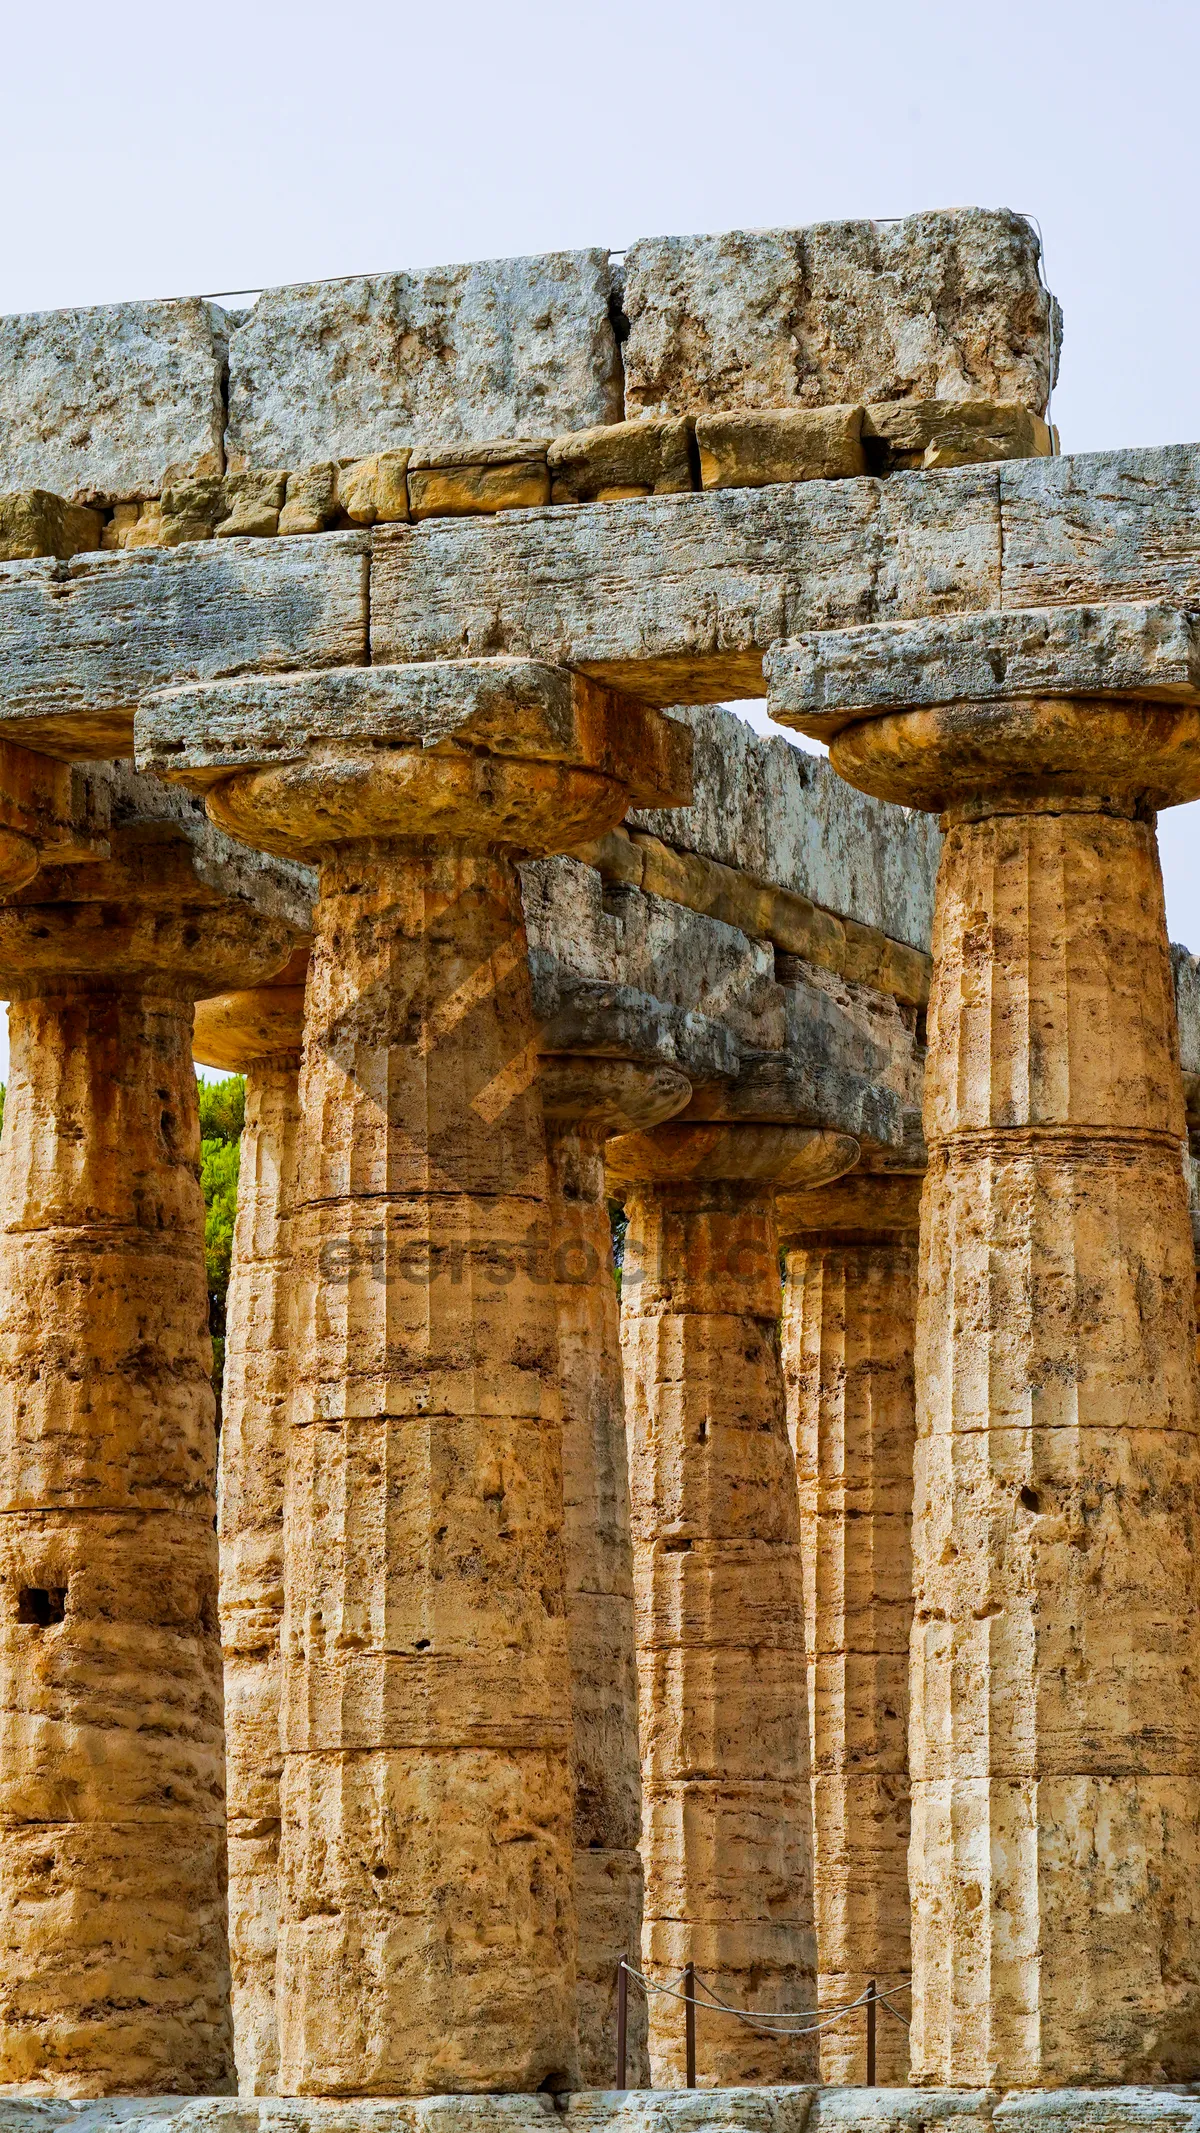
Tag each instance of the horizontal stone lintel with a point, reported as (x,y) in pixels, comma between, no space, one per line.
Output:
(206,731)
(825,680)
(673,599)
(806,2109)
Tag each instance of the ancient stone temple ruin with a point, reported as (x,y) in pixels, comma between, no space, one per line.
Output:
(767,1663)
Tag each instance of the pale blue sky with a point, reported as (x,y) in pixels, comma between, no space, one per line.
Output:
(155,151)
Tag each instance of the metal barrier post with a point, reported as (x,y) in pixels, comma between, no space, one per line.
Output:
(622,2019)
(871,2035)
(689,2022)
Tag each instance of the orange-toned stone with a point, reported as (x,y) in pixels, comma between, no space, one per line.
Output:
(585,1101)
(1055,1759)
(258,1032)
(112,1812)
(726,1832)
(427,1928)
(849,1313)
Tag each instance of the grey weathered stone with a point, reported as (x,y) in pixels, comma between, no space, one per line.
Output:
(824,680)
(507,706)
(82,642)
(900,2110)
(1101,526)
(678,597)
(499,348)
(945,306)
(758,2110)
(1113,2110)
(674,598)
(96,403)
(774,812)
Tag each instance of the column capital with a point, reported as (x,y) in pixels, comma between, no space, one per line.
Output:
(755,1157)
(1095,707)
(502,752)
(142,914)
(602,1096)
(238,1030)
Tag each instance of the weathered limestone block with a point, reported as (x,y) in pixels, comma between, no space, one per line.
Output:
(372,491)
(112,1814)
(1148,652)
(257,1033)
(726,1830)
(95,403)
(849,1312)
(678,597)
(943,306)
(780,815)
(34,522)
(621,459)
(499,348)
(1055,1759)
(464,481)
(426,1938)
(950,433)
(81,643)
(585,1101)
(747,449)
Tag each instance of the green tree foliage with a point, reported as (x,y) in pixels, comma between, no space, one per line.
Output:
(222,1116)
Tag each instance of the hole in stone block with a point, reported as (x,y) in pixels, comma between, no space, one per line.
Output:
(1030,1500)
(42,1604)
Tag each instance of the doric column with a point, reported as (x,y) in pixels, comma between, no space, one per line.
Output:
(849,1310)
(112,1812)
(259,1033)
(586,1100)
(1055,1760)
(726,1824)
(426,1939)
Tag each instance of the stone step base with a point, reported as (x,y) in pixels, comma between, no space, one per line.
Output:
(776,2110)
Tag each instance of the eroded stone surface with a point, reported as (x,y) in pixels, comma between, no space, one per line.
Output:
(258,1368)
(726,1835)
(97,402)
(848,1324)
(944,306)
(498,348)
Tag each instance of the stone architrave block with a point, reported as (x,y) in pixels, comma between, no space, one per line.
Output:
(825,680)
(94,403)
(941,306)
(82,642)
(748,450)
(508,347)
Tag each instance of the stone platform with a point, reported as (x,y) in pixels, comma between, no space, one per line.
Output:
(757,2110)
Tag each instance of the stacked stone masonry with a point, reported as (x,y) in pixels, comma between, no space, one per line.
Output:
(493,937)
(514,384)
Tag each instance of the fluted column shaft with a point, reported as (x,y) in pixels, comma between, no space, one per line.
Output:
(848,1323)
(112,1815)
(258,1367)
(427,1931)
(1056,1797)
(586,1100)
(726,1829)
(426,1928)
(1055,1735)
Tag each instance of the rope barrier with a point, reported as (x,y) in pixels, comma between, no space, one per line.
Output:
(781,2023)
